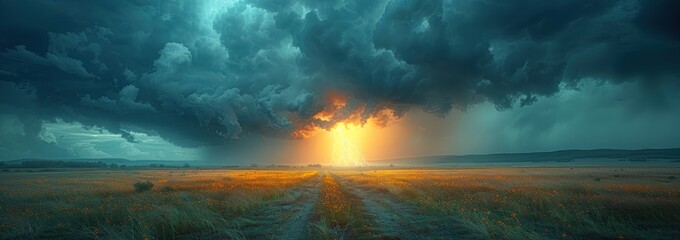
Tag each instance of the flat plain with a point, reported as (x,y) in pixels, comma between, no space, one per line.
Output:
(339,203)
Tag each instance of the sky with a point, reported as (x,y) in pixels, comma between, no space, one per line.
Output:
(265,81)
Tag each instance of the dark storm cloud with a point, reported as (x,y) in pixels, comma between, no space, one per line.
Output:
(207,72)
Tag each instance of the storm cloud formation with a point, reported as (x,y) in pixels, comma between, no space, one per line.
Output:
(208,72)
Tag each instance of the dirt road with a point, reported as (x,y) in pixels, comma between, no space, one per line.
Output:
(398,220)
(286,218)
(291,217)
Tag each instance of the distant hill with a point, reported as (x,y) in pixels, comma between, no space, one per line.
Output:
(564,156)
(598,157)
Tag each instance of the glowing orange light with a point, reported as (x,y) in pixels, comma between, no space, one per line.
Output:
(359,132)
(345,153)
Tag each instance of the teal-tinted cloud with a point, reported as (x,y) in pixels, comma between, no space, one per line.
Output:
(212,72)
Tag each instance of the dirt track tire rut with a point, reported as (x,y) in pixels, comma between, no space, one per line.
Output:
(286,218)
(400,221)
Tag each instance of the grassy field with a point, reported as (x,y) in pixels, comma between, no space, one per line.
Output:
(97,204)
(365,203)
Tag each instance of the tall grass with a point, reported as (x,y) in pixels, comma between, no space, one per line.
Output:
(534,205)
(206,204)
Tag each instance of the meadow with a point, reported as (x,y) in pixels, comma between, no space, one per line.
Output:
(535,203)
(183,204)
(336,203)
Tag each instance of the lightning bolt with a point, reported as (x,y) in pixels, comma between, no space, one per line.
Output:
(345,153)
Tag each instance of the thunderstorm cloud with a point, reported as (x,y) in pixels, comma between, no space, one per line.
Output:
(201,73)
